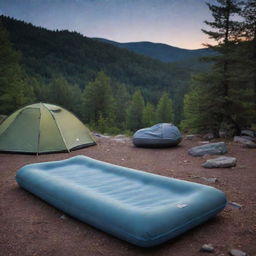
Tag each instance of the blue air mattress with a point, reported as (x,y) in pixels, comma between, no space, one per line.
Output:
(142,208)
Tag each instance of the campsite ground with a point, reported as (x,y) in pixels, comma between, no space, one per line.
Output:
(29,226)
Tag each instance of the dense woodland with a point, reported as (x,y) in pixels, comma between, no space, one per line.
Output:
(114,90)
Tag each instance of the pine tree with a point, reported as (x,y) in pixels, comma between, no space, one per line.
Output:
(248,32)
(60,92)
(14,88)
(164,111)
(201,112)
(149,115)
(98,100)
(122,100)
(218,105)
(226,33)
(135,112)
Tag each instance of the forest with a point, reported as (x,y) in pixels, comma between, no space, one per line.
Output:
(115,90)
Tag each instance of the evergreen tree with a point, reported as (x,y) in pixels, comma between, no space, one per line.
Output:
(98,100)
(135,112)
(201,112)
(164,111)
(248,32)
(122,100)
(14,89)
(218,105)
(226,33)
(149,115)
(61,92)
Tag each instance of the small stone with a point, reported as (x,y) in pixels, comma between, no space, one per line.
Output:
(190,137)
(236,205)
(204,142)
(208,136)
(210,180)
(122,159)
(63,217)
(220,162)
(120,136)
(207,248)
(237,252)
(223,133)
(119,140)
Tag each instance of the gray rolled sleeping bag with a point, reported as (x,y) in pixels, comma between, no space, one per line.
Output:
(159,135)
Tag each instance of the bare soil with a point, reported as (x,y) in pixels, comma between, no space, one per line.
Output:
(29,226)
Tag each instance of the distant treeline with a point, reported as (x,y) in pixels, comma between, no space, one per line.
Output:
(50,55)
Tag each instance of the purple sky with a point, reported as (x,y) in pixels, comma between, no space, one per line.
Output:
(174,22)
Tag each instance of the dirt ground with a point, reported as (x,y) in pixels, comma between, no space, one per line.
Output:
(29,226)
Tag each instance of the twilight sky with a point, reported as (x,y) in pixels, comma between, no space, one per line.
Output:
(174,22)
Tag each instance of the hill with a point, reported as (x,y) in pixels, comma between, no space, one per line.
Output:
(162,52)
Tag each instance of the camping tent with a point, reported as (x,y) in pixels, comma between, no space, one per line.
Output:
(43,128)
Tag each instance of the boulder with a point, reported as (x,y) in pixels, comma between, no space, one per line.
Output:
(249,144)
(220,162)
(248,133)
(244,139)
(218,148)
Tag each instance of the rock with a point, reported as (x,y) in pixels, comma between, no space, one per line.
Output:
(243,139)
(190,137)
(207,248)
(223,133)
(119,140)
(208,136)
(204,142)
(236,252)
(248,133)
(120,136)
(249,138)
(249,144)
(100,135)
(210,180)
(218,148)
(63,217)
(220,162)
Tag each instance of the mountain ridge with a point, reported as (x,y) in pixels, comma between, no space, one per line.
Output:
(160,51)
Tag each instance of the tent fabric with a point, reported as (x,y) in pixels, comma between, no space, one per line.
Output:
(43,128)
(142,208)
(159,135)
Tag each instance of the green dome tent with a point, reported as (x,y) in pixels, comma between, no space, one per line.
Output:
(42,128)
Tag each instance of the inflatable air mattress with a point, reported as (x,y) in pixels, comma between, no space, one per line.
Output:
(142,208)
